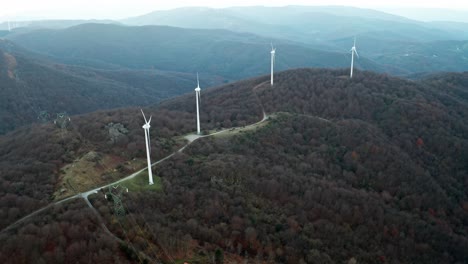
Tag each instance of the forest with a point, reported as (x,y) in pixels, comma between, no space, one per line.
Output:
(34,88)
(368,170)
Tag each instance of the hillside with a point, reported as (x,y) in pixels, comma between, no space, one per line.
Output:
(395,42)
(233,56)
(372,170)
(306,23)
(34,88)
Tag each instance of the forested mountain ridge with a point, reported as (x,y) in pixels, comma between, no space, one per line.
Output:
(402,45)
(232,55)
(34,88)
(372,169)
(374,155)
(322,23)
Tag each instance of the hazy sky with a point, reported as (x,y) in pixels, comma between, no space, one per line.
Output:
(115,9)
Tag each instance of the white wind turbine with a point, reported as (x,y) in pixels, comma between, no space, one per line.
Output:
(9,27)
(353,51)
(273,53)
(146,127)
(198,99)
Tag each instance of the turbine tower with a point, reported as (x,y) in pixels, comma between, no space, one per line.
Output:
(353,51)
(273,52)
(197,95)
(146,127)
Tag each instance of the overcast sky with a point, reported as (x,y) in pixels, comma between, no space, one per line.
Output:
(116,9)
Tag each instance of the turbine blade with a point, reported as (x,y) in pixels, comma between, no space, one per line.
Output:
(355,51)
(354,41)
(272,48)
(143,115)
(198,81)
(149,121)
(199,98)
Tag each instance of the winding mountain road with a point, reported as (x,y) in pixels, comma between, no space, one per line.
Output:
(190,139)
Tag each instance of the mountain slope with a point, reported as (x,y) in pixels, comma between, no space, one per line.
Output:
(324,23)
(302,23)
(401,45)
(216,52)
(32,85)
(372,169)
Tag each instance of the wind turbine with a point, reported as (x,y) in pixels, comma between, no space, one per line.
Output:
(353,51)
(9,27)
(273,52)
(146,127)
(197,95)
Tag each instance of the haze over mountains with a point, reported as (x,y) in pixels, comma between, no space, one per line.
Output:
(396,44)
(215,51)
(305,24)
(386,39)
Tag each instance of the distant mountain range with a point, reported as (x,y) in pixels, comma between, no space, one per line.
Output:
(393,41)
(232,42)
(217,52)
(307,24)
(25,25)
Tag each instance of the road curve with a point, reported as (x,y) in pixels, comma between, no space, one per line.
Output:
(190,138)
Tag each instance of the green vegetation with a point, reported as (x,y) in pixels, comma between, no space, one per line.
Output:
(140,183)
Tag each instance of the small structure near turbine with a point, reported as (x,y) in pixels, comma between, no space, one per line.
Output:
(353,51)
(146,127)
(273,53)
(198,100)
